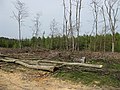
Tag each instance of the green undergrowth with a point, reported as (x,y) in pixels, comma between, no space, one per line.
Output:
(88,78)
(107,64)
(93,78)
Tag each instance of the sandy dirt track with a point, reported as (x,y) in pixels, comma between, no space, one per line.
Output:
(27,81)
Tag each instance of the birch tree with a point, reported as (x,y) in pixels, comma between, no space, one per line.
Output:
(95,8)
(36,29)
(105,26)
(112,9)
(37,25)
(66,24)
(70,24)
(20,15)
(78,15)
(54,31)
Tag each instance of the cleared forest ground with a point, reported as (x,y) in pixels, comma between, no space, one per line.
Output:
(17,77)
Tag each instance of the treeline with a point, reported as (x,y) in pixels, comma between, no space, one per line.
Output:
(86,42)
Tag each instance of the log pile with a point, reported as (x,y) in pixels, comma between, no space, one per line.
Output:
(46,64)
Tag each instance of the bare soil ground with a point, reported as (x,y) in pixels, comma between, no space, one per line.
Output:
(34,80)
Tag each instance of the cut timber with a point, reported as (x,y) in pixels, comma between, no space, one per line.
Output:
(41,67)
(2,55)
(68,63)
(47,64)
(48,68)
(9,60)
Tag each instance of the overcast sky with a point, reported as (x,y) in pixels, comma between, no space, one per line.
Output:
(49,10)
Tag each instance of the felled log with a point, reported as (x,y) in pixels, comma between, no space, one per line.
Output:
(41,67)
(2,55)
(9,60)
(74,64)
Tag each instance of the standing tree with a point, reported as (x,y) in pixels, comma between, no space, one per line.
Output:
(112,8)
(95,8)
(37,25)
(105,27)
(70,24)
(20,15)
(66,25)
(36,28)
(54,31)
(78,15)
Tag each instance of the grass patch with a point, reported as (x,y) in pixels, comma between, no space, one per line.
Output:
(88,78)
(109,64)
(93,78)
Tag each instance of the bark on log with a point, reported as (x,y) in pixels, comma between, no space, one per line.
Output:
(68,63)
(41,67)
(2,55)
(48,68)
(10,60)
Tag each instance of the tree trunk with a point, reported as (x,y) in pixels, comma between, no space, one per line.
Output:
(76,46)
(105,27)
(74,64)
(71,29)
(78,30)
(113,43)
(19,23)
(41,67)
(113,47)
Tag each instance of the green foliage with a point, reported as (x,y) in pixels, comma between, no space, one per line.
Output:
(26,43)
(85,42)
(8,43)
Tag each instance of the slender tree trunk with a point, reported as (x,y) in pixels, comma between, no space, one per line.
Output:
(113,43)
(20,16)
(52,42)
(71,29)
(77,3)
(104,30)
(78,30)
(96,26)
(105,26)
(66,36)
(95,13)
(66,22)
(112,8)
(19,26)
